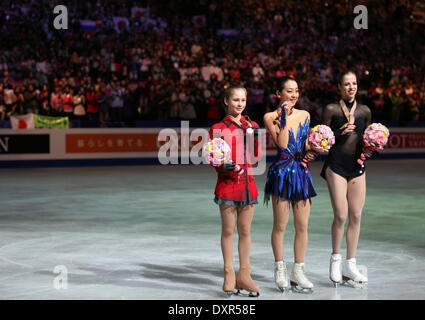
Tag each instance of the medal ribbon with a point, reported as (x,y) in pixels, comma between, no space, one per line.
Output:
(348,115)
(239,123)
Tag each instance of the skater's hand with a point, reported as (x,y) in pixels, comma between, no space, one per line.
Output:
(310,155)
(219,163)
(282,111)
(347,127)
(285,105)
(317,149)
(228,166)
(368,151)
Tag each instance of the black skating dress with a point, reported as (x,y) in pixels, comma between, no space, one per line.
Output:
(343,155)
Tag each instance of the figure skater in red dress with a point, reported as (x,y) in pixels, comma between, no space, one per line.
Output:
(236,192)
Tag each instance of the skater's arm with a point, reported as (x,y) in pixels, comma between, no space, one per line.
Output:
(269,123)
(283,136)
(279,136)
(369,151)
(368,117)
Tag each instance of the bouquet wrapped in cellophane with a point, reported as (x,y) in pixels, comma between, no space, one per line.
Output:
(321,136)
(217,152)
(375,137)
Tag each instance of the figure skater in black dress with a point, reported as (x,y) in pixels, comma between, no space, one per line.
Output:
(346,179)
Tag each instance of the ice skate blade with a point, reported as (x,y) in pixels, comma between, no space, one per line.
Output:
(245,293)
(336,283)
(297,289)
(353,284)
(229,293)
(282,289)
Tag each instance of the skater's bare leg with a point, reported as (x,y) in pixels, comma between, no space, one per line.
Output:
(299,280)
(301,211)
(337,186)
(245,215)
(243,279)
(228,222)
(280,221)
(356,199)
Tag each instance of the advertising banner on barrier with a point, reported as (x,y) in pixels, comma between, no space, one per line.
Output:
(409,141)
(111,142)
(24,143)
(398,140)
(406,140)
(146,143)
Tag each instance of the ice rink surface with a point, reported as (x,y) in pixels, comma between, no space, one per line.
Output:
(153,232)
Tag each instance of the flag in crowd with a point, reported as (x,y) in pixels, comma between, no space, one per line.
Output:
(32,121)
(120,23)
(25,121)
(140,13)
(90,26)
(199,21)
(418,12)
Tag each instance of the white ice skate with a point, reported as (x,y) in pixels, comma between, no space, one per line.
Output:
(335,269)
(299,281)
(281,275)
(351,275)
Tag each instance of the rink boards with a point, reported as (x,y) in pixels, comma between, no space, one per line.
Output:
(108,146)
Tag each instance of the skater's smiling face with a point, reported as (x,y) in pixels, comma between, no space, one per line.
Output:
(289,93)
(235,102)
(348,86)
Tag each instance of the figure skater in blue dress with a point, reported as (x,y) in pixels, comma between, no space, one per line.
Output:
(289,182)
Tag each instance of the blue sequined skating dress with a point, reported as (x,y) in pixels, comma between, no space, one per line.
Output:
(286,177)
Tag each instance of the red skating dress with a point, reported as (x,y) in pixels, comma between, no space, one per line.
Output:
(233,188)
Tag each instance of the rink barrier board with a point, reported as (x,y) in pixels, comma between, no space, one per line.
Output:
(151,161)
(139,146)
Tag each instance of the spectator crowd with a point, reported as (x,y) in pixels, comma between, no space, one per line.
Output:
(172,59)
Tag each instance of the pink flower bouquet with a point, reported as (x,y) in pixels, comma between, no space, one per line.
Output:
(321,136)
(217,151)
(375,137)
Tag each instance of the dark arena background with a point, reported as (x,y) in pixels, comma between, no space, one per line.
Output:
(88,209)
